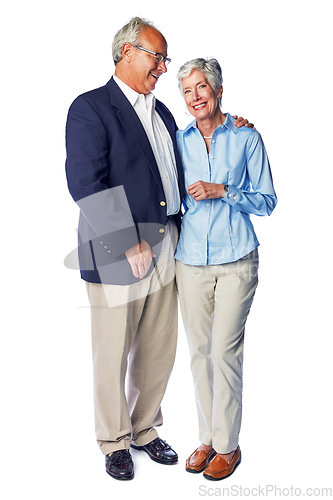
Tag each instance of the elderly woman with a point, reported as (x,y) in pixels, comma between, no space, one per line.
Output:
(228,177)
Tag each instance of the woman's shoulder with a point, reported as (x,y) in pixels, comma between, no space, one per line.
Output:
(244,131)
(182,132)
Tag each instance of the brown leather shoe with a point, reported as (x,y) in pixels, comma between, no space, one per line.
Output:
(219,469)
(199,460)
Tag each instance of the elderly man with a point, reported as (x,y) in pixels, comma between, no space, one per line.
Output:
(123,171)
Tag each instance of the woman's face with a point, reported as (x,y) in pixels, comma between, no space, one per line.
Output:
(199,96)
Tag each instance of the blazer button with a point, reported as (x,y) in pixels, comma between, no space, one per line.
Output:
(161,230)
(162,203)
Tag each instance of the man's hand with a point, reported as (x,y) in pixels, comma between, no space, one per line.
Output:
(201,190)
(240,122)
(140,257)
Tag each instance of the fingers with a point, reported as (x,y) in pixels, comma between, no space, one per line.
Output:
(201,190)
(196,190)
(140,269)
(140,266)
(199,196)
(241,122)
(140,258)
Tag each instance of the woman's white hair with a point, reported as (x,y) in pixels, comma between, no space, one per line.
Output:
(129,33)
(209,67)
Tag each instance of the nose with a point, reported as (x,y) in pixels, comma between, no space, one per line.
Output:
(162,66)
(195,95)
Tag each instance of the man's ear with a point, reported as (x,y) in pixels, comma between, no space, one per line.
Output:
(126,51)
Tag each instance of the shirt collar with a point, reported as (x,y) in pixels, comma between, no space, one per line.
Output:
(228,123)
(133,96)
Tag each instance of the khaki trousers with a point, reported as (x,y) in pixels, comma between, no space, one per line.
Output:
(134,335)
(215,302)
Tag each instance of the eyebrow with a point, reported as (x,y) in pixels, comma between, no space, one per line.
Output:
(198,83)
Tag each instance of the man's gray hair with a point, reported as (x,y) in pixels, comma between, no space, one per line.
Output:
(129,33)
(209,67)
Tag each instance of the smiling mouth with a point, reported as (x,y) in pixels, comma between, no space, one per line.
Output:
(155,76)
(199,106)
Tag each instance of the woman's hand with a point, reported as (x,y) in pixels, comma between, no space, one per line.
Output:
(201,190)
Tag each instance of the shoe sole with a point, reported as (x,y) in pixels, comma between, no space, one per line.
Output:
(194,471)
(210,478)
(121,478)
(153,458)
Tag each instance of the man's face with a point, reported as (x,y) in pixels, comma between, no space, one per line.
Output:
(145,72)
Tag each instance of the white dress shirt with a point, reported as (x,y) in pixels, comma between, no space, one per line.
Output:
(160,141)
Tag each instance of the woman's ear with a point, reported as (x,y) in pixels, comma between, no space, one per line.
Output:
(220,92)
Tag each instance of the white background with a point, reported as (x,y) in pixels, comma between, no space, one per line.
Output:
(276,61)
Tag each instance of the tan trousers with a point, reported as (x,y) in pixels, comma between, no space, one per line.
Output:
(215,302)
(134,339)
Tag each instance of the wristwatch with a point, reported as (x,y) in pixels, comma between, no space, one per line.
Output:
(225,192)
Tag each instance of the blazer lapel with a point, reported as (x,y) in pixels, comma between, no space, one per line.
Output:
(172,127)
(133,125)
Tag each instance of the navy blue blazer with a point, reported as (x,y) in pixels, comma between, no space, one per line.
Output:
(113,176)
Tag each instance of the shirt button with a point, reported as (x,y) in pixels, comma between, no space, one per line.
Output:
(162,203)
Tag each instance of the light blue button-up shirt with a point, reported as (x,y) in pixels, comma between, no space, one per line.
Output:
(219,230)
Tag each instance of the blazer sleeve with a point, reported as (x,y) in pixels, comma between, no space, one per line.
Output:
(105,208)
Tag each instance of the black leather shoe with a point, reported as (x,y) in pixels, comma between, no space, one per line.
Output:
(159,451)
(120,465)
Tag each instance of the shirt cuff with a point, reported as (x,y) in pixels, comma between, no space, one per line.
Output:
(232,196)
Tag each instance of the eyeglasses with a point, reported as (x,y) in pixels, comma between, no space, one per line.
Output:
(157,56)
